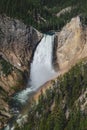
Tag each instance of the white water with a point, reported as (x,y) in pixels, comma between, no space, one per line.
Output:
(41,67)
(41,71)
(8,128)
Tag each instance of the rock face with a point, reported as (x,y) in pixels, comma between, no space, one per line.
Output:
(17,42)
(11,80)
(65,10)
(71,45)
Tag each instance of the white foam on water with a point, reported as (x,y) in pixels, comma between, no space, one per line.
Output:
(41,69)
(9,128)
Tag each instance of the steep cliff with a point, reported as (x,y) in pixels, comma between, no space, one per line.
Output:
(70,44)
(17,43)
(70,48)
(61,104)
(11,80)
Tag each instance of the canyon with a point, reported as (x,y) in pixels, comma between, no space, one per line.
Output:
(18,44)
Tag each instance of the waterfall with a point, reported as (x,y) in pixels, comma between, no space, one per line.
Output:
(41,69)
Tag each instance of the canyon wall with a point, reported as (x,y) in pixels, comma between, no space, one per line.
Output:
(71,45)
(17,43)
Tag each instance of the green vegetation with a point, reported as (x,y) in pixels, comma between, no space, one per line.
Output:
(5,67)
(42,13)
(65,91)
(8,69)
(63,94)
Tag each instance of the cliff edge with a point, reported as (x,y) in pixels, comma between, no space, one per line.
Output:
(71,45)
(17,43)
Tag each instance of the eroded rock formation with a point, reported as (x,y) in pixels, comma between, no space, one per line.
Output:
(17,42)
(71,44)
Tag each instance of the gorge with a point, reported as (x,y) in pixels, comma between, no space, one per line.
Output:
(69,45)
(41,69)
(43,65)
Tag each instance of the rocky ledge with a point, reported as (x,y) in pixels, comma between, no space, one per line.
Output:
(70,45)
(17,43)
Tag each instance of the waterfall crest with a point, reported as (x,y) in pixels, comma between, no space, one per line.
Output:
(41,69)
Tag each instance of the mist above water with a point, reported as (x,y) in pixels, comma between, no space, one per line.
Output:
(41,69)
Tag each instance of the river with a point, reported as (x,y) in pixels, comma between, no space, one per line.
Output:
(41,71)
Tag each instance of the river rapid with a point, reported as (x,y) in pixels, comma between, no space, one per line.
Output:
(41,71)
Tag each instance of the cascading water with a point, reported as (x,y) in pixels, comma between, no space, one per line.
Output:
(41,67)
(41,71)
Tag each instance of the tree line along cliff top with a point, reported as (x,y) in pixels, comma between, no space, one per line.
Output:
(42,14)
